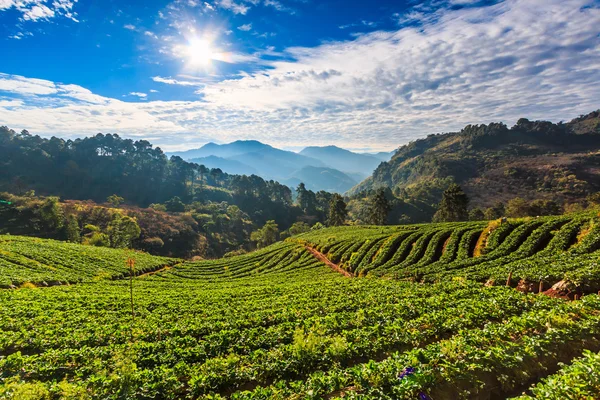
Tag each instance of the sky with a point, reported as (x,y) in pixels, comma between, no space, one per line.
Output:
(363,75)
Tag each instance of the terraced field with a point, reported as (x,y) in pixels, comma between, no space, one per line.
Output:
(49,262)
(422,312)
(529,254)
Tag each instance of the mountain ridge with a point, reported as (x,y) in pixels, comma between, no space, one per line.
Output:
(532,159)
(331,166)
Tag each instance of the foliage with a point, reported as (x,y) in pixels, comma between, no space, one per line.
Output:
(494,163)
(115,200)
(276,323)
(267,235)
(379,208)
(122,231)
(175,205)
(337,211)
(453,207)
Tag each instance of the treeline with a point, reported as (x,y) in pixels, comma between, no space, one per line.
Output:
(182,209)
(109,191)
(384,207)
(96,167)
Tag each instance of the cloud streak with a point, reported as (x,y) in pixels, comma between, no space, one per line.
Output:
(533,58)
(41,10)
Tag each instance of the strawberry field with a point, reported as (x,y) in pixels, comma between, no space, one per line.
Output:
(434,311)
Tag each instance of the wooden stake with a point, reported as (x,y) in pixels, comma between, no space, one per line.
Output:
(131,265)
(541,288)
(509,278)
(576,297)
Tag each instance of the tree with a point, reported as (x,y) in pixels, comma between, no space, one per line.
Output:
(306,199)
(122,230)
(175,205)
(476,214)
(337,211)
(51,214)
(594,198)
(72,230)
(517,208)
(115,200)
(317,226)
(453,206)
(545,207)
(379,208)
(495,212)
(298,227)
(267,235)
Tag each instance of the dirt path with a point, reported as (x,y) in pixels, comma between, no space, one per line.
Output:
(321,257)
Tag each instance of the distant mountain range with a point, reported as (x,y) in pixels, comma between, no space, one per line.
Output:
(327,168)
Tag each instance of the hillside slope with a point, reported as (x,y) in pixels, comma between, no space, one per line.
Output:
(285,322)
(495,163)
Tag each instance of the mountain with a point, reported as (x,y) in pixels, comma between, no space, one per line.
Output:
(321,178)
(532,160)
(250,157)
(343,160)
(222,150)
(382,155)
(272,163)
(226,165)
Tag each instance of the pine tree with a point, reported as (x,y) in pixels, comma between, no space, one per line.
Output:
(337,211)
(453,206)
(379,209)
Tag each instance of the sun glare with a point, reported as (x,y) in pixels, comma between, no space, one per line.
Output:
(200,51)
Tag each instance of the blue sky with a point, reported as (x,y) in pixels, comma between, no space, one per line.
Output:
(359,74)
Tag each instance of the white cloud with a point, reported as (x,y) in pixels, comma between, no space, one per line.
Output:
(40,10)
(138,94)
(245,27)
(153,91)
(538,59)
(236,8)
(278,6)
(27,86)
(129,27)
(6,4)
(171,81)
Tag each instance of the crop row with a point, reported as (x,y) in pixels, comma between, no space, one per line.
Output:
(579,380)
(49,262)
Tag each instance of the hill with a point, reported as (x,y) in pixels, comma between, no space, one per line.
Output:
(319,178)
(344,160)
(272,163)
(226,165)
(250,157)
(221,150)
(533,160)
(295,320)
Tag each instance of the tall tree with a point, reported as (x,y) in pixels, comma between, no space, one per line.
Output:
(306,199)
(337,211)
(267,235)
(379,208)
(453,206)
(518,208)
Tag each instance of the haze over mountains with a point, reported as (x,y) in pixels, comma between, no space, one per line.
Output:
(328,168)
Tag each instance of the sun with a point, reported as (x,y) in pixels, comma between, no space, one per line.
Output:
(200,51)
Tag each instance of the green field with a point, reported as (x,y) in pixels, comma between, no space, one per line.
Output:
(429,312)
